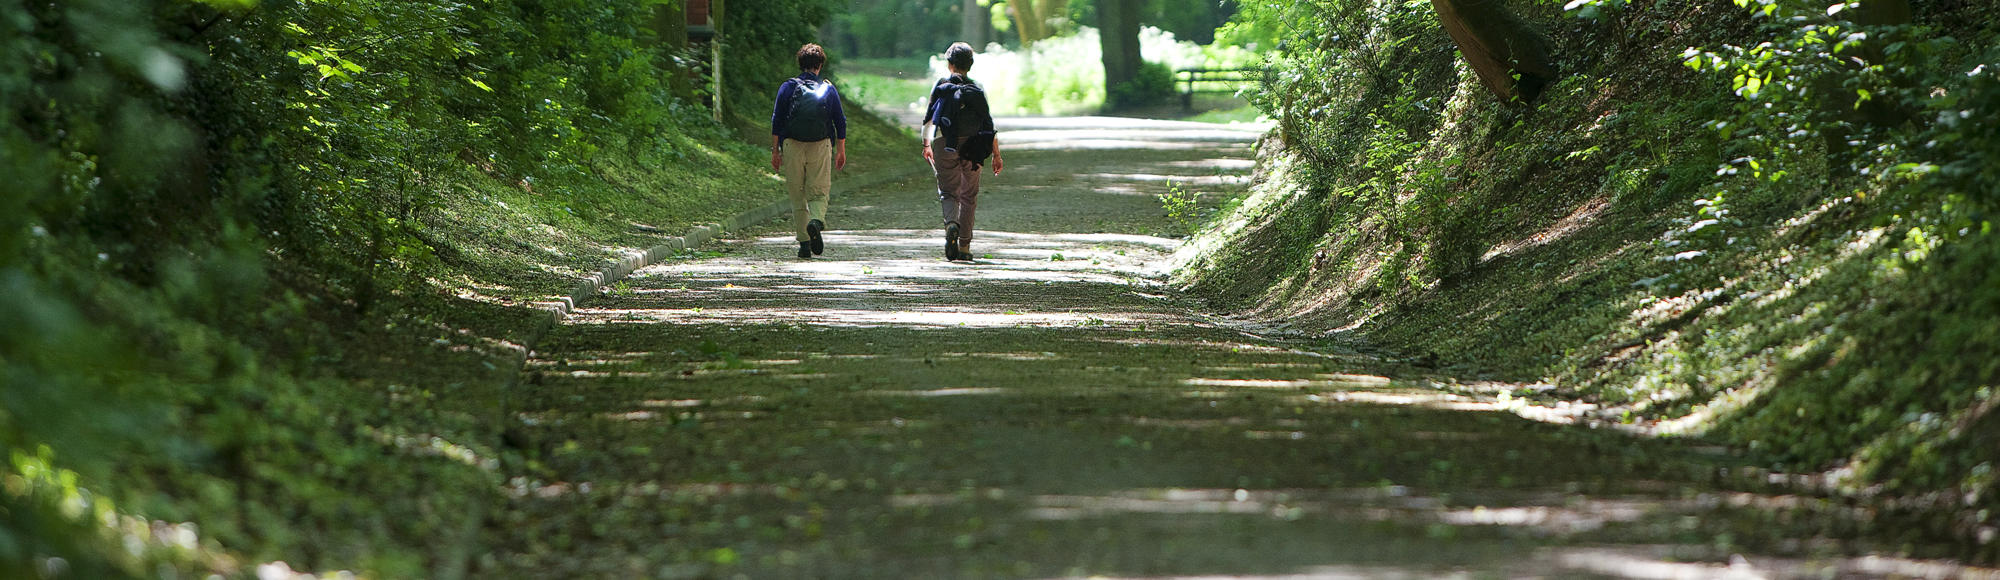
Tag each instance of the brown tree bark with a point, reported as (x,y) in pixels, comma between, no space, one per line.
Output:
(668,26)
(1118,37)
(973,24)
(1051,11)
(1027,21)
(1032,17)
(1498,45)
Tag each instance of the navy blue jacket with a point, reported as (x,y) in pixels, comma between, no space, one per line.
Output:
(789,90)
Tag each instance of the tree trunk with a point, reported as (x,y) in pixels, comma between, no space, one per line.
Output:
(1050,10)
(669,25)
(1027,21)
(1033,17)
(1883,12)
(1848,104)
(1498,45)
(670,35)
(1118,36)
(973,24)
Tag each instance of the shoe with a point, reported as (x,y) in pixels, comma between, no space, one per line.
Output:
(965,250)
(950,241)
(813,228)
(805,250)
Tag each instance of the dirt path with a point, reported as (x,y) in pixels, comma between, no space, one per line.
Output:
(880,413)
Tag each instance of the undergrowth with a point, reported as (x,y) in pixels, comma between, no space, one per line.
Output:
(270,266)
(1752,222)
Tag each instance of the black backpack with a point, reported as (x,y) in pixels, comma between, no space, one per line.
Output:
(965,120)
(809,120)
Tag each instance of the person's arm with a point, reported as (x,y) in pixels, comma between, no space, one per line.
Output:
(780,112)
(996,155)
(839,112)
(924,135)
(924,132)
(839,128)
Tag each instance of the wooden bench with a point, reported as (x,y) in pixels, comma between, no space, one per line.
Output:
(1213,80)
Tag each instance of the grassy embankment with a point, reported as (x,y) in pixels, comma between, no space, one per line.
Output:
(270,268)
(1805,280)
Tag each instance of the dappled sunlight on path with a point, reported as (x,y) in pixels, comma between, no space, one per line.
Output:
(1050,410)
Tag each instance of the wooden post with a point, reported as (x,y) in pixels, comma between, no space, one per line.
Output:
(1187,98)
(715,55)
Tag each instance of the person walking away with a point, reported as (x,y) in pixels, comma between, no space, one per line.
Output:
(808,142)
(964,138)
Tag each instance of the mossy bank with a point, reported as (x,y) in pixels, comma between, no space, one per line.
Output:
(1687,233)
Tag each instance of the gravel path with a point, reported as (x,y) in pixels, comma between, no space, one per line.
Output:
(1048,411)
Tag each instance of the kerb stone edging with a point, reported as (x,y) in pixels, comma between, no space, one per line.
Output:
(457,561)
(699,235)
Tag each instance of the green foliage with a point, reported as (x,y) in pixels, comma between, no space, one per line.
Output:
(1256,26)
(1193,20)
(1153,85)
(1782,236)
(889,83)
(764,39)
(227,237)
(896,28)
(1181,208)
(1879,118)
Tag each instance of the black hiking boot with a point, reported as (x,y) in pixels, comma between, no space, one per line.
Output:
(805,250)
(950,241)
(813,228)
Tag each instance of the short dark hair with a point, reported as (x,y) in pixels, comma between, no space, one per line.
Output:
(811,56)
(959,55)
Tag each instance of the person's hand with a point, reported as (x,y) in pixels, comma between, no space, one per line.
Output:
(927,152)
(996,164)
(777,159)
(840,159)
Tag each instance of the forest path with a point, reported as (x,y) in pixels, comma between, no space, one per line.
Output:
(880,413)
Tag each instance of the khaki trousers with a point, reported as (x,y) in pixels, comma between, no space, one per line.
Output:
(808,171)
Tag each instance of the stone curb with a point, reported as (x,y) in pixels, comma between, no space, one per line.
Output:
(699,235)
(455,565)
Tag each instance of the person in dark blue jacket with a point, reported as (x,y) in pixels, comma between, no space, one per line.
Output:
(808,142)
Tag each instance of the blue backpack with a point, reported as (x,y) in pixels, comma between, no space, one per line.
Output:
(809,119)
(964,120)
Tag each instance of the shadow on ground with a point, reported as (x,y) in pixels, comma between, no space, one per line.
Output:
(1052,411)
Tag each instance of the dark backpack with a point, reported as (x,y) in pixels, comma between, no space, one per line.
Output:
(965,120)
(809,120)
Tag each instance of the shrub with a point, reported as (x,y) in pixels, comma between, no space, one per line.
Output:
(1153,85)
